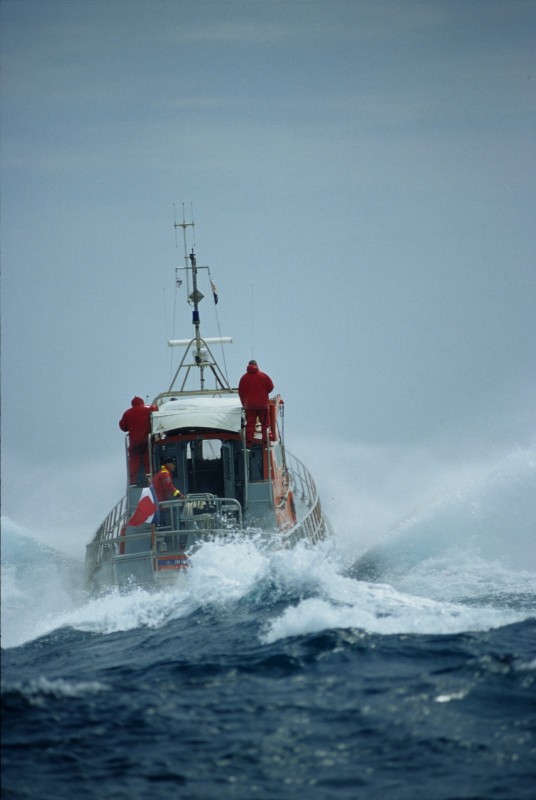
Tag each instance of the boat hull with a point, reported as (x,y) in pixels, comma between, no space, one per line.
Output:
(155,555)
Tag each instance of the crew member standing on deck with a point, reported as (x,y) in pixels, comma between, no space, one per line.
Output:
(136,421)
(254,389)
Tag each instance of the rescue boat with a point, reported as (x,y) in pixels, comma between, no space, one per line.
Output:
(228,486)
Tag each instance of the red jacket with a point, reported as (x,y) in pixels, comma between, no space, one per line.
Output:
(136,421)
(163,485)
(254,388)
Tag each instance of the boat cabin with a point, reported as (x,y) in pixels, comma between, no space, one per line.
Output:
(204,436)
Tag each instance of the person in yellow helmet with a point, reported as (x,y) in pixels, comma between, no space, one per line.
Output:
(163,483)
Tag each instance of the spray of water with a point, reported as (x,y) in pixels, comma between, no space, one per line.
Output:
(454,554)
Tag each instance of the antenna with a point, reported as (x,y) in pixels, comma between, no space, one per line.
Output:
(252,320)
(184,225)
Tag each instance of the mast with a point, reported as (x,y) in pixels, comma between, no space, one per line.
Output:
(198,346)
(196,296)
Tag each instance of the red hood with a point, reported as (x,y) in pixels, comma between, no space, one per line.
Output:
(252,369)
(136,401)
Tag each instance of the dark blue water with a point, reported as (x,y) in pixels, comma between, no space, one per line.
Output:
(407,672)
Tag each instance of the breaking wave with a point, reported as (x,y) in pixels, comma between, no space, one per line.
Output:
(464,561)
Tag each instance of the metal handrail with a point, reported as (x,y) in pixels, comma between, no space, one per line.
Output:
(313,523)
(109,532)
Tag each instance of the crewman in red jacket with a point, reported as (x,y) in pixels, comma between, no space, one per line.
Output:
(136,421)
(163,483)
(254,389)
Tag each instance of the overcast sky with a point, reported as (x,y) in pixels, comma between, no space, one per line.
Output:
(362,177)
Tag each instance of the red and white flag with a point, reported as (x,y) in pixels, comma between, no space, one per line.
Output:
(147,508)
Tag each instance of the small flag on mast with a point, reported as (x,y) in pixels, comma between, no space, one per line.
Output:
(214,291)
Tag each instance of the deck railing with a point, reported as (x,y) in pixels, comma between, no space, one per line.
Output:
(193,514)
(99,549)
(313,526)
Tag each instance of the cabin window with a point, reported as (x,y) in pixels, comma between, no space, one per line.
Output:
(204,450)
(205,467)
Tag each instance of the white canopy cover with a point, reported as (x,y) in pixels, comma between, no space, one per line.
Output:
(223,413)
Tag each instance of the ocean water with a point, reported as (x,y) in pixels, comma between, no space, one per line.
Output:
(403,670)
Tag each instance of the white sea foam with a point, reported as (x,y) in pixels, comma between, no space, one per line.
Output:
(344,602)
(38,691)
(463,562)
(448,698)
(137,608)
(222,572)
(381,495)
(38,584)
